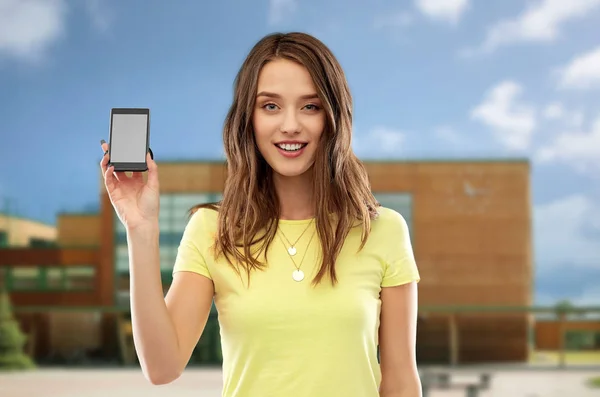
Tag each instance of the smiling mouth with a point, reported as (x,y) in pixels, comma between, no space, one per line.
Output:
(291,147)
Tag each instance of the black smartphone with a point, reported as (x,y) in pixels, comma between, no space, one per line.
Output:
(129,139)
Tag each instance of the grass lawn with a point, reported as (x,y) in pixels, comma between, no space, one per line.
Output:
(594,382)
(572,357)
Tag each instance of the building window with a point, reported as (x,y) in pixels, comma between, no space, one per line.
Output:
(24,278)
(3,238)
(582,340)
(79,278)
(55,278)
(35,242)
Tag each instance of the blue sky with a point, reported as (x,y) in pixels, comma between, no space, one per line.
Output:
(430,78)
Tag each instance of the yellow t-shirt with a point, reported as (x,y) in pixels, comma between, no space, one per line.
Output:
(283,338)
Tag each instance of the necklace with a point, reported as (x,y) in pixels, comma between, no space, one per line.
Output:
(298,275)
(291,249)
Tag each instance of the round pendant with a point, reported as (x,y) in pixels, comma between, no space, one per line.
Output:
(292,251)
(298,275)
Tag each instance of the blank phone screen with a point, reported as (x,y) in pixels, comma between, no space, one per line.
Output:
(128,139)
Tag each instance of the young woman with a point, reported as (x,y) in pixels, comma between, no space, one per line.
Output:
(308,273)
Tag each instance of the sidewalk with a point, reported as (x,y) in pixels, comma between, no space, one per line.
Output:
(207,383)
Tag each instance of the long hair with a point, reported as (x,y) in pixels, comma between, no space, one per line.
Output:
(249,212)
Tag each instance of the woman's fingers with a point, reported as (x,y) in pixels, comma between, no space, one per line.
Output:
(104,161)
(110,179)
(152,173)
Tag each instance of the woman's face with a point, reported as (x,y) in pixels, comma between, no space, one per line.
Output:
(288,118)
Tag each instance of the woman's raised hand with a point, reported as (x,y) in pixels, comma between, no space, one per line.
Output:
(136,201)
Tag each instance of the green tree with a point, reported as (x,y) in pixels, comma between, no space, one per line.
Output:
(12,339)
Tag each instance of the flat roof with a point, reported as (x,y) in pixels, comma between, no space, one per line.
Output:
(25,218)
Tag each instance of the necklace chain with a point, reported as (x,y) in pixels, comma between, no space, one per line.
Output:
(297,275)
(291,249)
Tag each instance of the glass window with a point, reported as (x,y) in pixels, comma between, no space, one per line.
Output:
(120,238)
(80,277)
(122,265)
(122,298)
(165,224)
(25,278)
(165,254)
(180,221)
(3,238)
(171,238)
(166,200)
(118,225)
(54,278)
(165,213)
(121,258)
(35,242)
(186,201)
(168,256)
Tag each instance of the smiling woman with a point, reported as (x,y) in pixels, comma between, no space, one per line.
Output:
(309,274)
(288,119)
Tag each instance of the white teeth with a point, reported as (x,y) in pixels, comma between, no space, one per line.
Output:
(290,147)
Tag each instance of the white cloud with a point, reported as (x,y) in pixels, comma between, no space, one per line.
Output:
(582,73)
(280,10)
(556,112)
(512,121)
(443,10)
(559,234)
(577,149)
(29,27)
(379,140)
(540,22)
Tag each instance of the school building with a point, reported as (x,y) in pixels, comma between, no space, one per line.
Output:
(470,223)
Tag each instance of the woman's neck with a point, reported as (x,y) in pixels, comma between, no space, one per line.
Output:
(296,198)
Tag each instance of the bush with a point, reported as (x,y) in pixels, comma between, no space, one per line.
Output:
(12,339)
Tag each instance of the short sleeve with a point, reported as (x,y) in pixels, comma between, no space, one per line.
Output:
(190,256)
(400,266)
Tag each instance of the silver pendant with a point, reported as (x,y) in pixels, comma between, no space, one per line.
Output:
(298,275)
(292,251)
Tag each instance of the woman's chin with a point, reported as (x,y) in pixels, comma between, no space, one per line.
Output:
(291,170)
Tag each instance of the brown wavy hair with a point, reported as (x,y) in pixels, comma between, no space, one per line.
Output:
(249,212)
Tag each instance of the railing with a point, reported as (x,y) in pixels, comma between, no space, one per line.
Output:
(470,384)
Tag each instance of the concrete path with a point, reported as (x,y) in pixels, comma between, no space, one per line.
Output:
(207,383)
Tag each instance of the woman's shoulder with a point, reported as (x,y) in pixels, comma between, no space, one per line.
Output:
(203,219)
(389,220)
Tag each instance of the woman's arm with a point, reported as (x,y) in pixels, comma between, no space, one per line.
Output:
(397,340)
(165,329)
